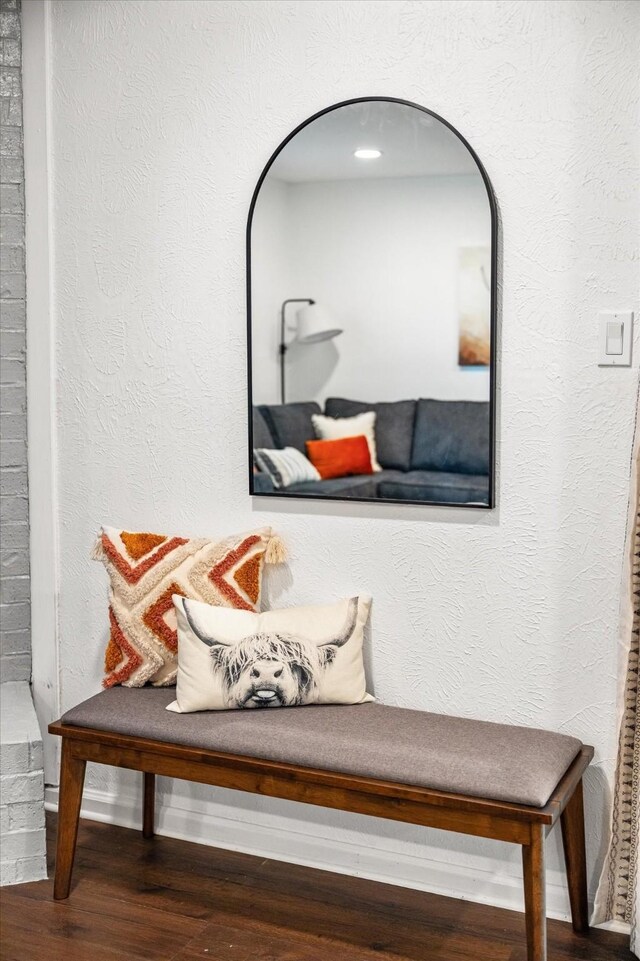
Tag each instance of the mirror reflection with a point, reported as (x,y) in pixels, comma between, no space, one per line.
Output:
(371,312)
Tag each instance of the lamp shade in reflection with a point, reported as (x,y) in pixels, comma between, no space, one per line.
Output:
(315,324)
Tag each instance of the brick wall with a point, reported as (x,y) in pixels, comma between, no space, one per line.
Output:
(22,835)
(22,831)
(15,644)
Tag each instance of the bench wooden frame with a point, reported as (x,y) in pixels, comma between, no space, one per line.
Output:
(516,823)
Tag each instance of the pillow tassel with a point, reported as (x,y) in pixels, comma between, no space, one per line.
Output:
(97,551)
(276,552)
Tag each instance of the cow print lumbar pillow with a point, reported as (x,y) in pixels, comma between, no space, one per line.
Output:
(237,659)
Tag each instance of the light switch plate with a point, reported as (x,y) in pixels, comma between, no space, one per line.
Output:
(615,333)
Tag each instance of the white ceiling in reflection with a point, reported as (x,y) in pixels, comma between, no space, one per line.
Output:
(413,144)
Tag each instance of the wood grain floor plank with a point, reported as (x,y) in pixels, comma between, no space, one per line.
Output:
(100,930)
(169,900)
(97,898)
(265,942)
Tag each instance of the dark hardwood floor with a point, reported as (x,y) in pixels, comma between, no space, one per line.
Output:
(168,900)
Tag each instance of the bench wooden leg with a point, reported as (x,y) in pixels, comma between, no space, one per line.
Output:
(72,770)
(573,840)
(534,895)
(148,807)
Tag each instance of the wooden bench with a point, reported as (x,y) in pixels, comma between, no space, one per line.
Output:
(124,727)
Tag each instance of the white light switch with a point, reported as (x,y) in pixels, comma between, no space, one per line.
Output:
(614,338)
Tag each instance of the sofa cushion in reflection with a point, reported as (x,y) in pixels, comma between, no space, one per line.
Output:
(290,424)
(431,451)
(451,435)
(394,427)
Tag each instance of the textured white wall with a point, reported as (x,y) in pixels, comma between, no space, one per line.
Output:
(382,256)
(163,115)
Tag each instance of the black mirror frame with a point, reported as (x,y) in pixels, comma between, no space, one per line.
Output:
(491,503)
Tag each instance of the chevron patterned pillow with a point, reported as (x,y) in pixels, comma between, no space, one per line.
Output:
(146,570)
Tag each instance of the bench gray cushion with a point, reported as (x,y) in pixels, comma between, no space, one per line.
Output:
(458,755)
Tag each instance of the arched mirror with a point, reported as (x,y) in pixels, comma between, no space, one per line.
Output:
(371,251)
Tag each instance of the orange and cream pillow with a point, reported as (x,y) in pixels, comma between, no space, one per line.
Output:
(341,457)
(146,570)
(334,428)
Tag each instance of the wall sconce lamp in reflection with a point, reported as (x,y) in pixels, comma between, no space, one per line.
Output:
(314,324)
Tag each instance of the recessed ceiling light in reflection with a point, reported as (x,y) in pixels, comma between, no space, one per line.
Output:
(367,153)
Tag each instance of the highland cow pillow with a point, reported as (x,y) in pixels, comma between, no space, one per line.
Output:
(147,570)
(236,659)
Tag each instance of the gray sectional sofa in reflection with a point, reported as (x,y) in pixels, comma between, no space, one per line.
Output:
(429,450)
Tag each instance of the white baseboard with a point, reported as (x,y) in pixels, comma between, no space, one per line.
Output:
(483,882)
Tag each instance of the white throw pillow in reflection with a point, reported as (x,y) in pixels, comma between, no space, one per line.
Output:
(333,428)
